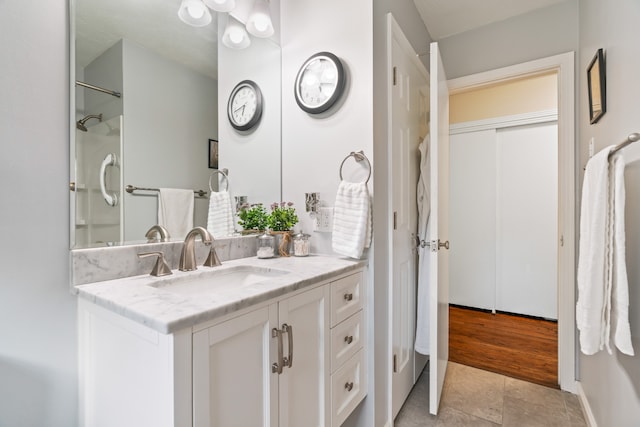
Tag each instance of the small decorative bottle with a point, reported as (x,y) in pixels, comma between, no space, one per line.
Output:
(265,246)
(301,244)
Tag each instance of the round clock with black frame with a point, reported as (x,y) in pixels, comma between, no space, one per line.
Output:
(244,108)
(320,83)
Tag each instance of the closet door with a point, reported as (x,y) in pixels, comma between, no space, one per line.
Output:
(473,219)
(527,221)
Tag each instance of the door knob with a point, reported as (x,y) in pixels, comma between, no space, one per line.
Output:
(445,244)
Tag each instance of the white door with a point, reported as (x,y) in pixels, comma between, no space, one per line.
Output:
(232,380)
(304,385)
(409,77)
(439,283)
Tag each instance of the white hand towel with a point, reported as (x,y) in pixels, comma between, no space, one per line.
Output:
(592,259)
(620,286)
(352,219)
(220,218)
(422,342)
(175,211)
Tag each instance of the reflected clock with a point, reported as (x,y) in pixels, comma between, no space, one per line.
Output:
(244,108)
(320,83)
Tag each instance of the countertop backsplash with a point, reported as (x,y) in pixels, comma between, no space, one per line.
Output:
(108,263)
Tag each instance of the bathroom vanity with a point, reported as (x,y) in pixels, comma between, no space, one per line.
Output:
(254,342)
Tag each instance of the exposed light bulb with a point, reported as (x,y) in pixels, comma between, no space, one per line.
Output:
(259,23)
(194,13)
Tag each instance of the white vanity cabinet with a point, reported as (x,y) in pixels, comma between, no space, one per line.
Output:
(239,379)
(295,360)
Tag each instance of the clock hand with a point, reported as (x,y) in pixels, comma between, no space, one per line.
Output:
(240,108)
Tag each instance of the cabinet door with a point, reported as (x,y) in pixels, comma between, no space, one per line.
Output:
(304,388)
(232,380)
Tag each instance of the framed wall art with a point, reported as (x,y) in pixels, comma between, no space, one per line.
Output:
(596,83)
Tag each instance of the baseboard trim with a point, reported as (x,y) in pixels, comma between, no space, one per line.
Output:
(586,408)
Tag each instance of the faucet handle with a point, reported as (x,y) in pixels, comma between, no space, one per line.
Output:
(161,268)
(212,259)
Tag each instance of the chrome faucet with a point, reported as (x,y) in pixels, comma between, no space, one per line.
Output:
(155,232)
(188,255)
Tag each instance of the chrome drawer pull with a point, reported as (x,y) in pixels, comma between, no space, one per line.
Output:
(288,329)
(348,339)
(279,365)
(348,297)
(349,386)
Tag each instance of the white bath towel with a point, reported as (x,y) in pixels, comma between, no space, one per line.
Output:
(220,218)
(602,277)
(424,258)
(175,211)
(351,219)
(620,328)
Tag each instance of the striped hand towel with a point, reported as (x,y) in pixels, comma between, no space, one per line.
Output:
(352,219)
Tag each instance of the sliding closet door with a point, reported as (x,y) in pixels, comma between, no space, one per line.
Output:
(473,219)
(527,220)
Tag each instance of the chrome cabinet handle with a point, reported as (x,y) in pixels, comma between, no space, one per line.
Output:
(348,339)
(288,361)
(279,365)
(348,297)
(349,386)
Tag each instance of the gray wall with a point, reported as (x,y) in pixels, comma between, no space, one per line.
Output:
(612,382)
(538,34)
(38,363)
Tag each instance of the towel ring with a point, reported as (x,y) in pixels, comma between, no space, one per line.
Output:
(221,172)
(359,156)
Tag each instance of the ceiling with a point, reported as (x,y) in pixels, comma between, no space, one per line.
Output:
(445,18)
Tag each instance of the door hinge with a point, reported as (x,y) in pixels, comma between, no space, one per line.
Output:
(395,220)
(562,240)
(395,72)
(395,363)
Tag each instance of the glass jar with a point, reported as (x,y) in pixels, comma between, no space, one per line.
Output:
(301,244)
(265,246)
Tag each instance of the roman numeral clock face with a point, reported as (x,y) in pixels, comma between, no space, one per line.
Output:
(320,83)
(245,105)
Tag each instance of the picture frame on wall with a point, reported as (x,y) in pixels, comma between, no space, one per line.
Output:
(213,154)
(596,83)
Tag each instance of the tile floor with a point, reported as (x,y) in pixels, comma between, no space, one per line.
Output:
(477,398)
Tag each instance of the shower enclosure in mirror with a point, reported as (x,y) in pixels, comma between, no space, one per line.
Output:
(173,80)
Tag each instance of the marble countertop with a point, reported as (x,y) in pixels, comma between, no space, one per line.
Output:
(164,311)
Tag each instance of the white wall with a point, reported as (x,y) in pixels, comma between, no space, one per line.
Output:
(612,383)
(38,371)
(538,34)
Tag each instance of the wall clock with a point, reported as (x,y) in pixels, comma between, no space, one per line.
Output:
(320,82)
(244,108)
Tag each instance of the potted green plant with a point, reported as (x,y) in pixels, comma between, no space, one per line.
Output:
(281,221)
(253,219)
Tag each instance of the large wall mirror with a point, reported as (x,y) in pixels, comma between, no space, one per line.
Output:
(166,86)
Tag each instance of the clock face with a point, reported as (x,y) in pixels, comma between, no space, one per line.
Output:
(320,83)
(245,105)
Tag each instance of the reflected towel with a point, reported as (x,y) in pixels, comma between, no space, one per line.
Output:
(352,219)
(175,211)
(220,218)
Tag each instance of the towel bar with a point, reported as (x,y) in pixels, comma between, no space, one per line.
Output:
(131,188)
(359,156)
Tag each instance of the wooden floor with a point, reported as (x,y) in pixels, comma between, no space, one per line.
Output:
(512,345)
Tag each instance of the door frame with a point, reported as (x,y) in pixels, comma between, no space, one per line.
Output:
(563,64)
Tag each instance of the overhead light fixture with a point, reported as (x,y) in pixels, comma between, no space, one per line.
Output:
(194,13)
(235,36)
(259,23)
(221,5)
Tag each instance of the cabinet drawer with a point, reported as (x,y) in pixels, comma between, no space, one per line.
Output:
(348,388)
(346,297)
(346,340)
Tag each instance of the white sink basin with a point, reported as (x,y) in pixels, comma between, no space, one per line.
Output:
(207,281)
